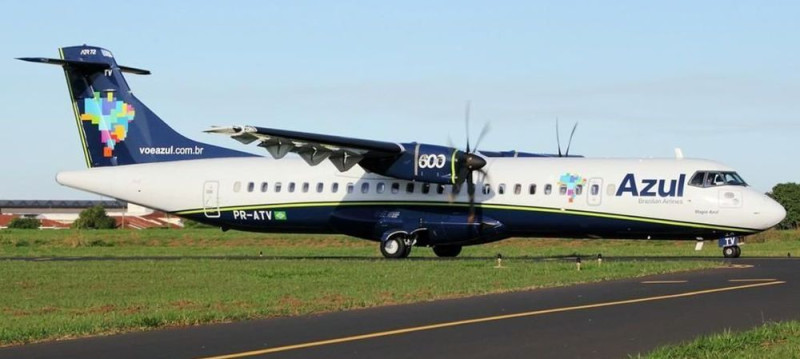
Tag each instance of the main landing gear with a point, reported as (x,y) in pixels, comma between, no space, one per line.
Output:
(397,246)
(447,251)
(731,251)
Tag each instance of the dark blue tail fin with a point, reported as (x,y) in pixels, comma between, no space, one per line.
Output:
(115,127)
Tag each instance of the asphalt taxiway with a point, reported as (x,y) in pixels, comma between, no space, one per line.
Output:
(600,320)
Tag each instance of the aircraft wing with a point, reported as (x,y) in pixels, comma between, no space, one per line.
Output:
(343,152)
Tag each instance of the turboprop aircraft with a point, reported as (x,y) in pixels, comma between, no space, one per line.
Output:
(401,195)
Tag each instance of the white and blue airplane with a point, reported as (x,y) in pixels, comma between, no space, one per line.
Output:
(401,195)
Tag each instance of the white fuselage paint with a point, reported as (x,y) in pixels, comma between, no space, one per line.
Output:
(178,187)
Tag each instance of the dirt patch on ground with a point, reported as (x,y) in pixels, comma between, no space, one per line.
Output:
(183,304)
(289,304)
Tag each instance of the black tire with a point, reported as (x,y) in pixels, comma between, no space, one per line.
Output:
(738,252)
(394,247)
(729,252)
(447,251)
(407,251)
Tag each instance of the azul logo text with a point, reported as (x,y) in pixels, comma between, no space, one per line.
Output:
(652,187)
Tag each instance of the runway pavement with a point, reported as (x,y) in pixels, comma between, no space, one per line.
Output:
(600,320)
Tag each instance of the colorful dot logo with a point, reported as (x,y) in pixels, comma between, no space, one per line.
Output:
(571,182)
(110,116)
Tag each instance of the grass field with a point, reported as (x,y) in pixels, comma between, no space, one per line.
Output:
(42,300)
(775,340)
(207,242)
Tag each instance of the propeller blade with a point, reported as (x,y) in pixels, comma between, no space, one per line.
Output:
(471,192)
(466,122)
(558,139)
(484,131)
(570,138)
(471,195)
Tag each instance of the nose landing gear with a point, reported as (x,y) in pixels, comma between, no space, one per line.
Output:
(730,246)
(731,252)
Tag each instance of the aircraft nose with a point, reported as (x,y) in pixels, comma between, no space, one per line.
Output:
(773,212)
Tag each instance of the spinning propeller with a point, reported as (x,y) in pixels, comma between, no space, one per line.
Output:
(472,162)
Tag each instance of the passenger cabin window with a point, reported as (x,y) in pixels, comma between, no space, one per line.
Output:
(716,178)
(532,189)
(548,189)
(278,186)
(426,188)
(595,190)
(263,186)
(440,189)
(409,188)
(517,188)
(305,187)
(395,187)
(365,187)
(320,187)
(578,189)
(237,186)
(501,189)
(380,187)
(487,188)
(291,187)
(350,187)
(334,187)
(251,186)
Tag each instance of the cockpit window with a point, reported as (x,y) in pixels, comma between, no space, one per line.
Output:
(716,178)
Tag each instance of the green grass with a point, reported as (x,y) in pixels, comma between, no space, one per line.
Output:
(208,242)
(45,300)
(49,300)
(775,340)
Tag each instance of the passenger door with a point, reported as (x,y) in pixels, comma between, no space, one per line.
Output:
(595,196)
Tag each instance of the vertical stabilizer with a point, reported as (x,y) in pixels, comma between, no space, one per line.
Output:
(114,126)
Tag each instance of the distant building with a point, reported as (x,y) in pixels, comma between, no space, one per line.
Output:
(56,214)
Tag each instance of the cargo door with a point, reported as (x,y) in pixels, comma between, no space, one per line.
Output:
(211,199)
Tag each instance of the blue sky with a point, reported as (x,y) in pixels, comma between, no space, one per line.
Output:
(720,79)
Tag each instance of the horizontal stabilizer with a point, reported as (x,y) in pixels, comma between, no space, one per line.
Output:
(88,66)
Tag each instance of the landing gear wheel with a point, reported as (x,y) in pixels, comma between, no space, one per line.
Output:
(395,247)
(731,252)
(407,251)
(447,251)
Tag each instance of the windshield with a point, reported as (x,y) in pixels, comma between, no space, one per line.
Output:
(716,178)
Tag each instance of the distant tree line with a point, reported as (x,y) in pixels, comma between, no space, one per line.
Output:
(788,195)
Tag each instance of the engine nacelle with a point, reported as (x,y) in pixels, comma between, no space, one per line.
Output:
(421,162)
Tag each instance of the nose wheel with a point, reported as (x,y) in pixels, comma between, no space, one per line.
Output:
(731,252)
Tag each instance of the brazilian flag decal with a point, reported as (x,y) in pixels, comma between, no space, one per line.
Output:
(280,215)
